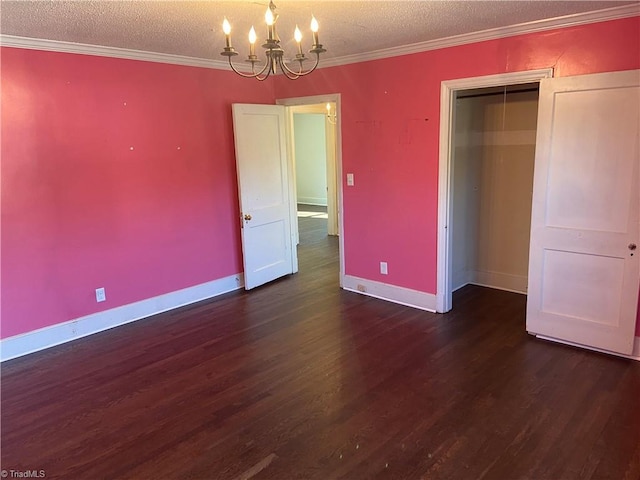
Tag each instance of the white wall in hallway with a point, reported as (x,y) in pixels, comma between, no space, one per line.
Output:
(311,158)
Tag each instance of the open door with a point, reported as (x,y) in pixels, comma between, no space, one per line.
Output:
(263,186)
(583,263)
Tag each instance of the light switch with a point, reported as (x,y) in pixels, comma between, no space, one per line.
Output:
(350,179)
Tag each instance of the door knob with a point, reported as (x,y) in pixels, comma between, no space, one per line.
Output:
(247,217)
(632,246)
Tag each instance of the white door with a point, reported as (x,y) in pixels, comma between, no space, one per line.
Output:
(263,186)
(583,268)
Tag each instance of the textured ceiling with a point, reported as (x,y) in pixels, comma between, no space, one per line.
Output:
(194,28)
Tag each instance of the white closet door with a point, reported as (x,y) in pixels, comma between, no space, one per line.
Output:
(584,266)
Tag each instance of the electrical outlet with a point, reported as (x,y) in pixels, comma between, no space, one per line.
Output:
(101,295)
(384,270)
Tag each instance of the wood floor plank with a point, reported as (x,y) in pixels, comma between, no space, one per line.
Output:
(301,380)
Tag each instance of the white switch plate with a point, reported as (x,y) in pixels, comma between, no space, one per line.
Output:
(349,179)
(383,268)
(101,295)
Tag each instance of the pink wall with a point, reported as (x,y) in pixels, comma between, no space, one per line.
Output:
(81,209)
(390,129)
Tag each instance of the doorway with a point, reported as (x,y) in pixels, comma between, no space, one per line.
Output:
(313,136)
(493,155)
(470,266)
(313,150)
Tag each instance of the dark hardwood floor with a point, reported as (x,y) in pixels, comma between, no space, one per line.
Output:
(300,380)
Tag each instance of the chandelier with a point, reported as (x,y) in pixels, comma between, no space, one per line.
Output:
(273,51)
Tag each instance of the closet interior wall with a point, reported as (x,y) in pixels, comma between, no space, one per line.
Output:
(494,150)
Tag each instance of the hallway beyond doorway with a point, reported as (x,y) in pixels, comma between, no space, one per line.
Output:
(312,223)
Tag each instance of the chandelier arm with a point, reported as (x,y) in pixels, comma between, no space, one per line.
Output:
(294,75)
(291,75)
(251,75)
(263,78)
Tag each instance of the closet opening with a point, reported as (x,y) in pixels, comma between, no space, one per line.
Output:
(493,139)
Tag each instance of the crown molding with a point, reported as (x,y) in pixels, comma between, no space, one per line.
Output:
(113,52)
(606,14)
(595,16)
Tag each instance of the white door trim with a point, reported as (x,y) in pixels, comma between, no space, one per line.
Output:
(447,91)
(311,100)
(332,177)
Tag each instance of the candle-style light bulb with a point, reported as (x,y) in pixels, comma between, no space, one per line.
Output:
(252,41)
(226,28)
(268,17)
(314,29)
(297,34)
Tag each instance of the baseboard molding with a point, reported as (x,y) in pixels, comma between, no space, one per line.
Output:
(635,354)
(462,285)
(37,340)
(500,281)
(460,278)
(317,201)
(391,293)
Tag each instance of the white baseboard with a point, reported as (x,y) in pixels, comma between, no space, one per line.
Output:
(40,339)
(462,285)
(461,278)
(496,280)
(391,293)
(635,354)
(320,202)
(500,281)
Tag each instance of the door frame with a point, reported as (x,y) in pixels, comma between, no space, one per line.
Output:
(337,168)
(447,111)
